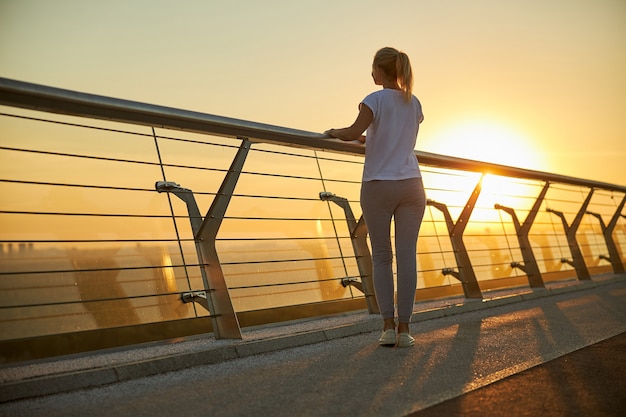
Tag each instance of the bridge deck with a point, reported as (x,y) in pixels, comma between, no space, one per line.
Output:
(466,355)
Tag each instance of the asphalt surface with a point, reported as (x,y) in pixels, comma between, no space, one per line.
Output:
(555,352)
(588,382)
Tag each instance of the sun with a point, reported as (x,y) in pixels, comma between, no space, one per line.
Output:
(488,141)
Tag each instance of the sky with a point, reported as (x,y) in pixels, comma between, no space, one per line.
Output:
(532,83)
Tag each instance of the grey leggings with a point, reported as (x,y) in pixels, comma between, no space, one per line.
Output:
(405,201)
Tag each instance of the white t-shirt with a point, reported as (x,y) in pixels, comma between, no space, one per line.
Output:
(391,137)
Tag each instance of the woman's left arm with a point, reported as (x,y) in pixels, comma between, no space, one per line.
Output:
(354,132)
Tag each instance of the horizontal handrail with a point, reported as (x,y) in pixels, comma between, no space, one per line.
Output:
(67,102)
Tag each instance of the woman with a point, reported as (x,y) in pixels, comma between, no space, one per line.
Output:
(391,186)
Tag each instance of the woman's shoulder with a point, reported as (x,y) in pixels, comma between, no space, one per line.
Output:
(376,93)
(389,96)
(382,94)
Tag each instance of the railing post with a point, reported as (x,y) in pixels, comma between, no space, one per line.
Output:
(607,231)
(465,273)
(216,298)
(530,263)
(227,322)
(577,261)
(358,237)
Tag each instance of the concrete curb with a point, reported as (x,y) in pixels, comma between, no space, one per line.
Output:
(120,372)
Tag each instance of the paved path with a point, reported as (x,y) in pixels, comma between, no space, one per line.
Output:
(464,351)
(590,382)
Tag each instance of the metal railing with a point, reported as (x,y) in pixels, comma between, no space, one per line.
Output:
(124,218)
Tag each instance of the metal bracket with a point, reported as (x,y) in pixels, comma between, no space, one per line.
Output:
(199,297)
(353,282)
(450,271)
(519,266)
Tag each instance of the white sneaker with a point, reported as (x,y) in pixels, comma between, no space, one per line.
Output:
(388,338)
(405,340)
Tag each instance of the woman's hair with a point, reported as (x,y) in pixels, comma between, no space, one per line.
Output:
(396,65)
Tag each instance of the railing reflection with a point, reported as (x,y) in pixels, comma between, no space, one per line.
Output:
(89,245)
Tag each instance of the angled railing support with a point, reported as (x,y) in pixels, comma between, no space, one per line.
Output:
(216,297)
(530,263)
(577,261)
(358,237)
(227,322)
(607,230)
(465,274)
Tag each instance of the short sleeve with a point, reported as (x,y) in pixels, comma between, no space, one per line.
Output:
(371,102)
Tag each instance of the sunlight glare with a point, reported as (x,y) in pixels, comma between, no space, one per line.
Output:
(495,190)
(489,142)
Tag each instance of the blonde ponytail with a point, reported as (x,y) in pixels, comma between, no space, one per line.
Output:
(396,64)
(405,75)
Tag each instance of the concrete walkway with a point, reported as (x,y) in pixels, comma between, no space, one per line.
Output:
(333,366)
